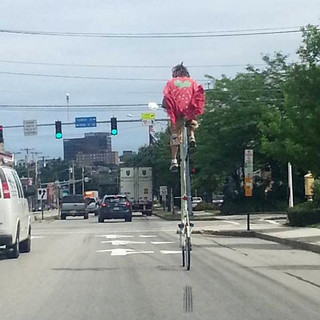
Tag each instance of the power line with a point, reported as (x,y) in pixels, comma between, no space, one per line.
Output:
(201,34)
(79,77)
(125,66)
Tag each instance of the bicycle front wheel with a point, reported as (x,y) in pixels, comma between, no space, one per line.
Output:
(183,255)
(188,253)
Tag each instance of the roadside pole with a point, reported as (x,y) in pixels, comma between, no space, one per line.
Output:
(290,184)
(41,201)
(248,179)
(172,202)
(82,180)
(73,180)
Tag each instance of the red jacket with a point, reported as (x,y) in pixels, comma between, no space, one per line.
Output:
(183,97)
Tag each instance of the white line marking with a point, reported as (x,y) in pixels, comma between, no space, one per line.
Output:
(124,252)
(148,236)
(231,222)
(36,237)
(161,242)
(169,252)
(122,242)
(272,221)
(114,236)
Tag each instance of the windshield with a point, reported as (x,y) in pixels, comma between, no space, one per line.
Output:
(115,200)
(73,199)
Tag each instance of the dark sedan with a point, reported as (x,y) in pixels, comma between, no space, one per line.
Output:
(115,207)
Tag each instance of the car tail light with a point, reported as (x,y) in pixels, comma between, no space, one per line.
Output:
(103,205)
(127,204)
(6,191)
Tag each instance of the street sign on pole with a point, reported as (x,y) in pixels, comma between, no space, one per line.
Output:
(248,163)
(42,194)
(85,122)
(147,118)
(163,191)
(30,127)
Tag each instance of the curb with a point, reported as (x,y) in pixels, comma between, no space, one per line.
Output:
(253,234)
(291,243)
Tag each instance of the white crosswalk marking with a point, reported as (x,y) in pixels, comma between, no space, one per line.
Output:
(122,242)
(124,252)
(161,242)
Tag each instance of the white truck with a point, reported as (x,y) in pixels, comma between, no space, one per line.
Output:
(136,184)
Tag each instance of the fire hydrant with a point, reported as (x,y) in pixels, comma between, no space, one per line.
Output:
(308,185)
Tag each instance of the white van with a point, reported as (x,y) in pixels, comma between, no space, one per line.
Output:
(15,220)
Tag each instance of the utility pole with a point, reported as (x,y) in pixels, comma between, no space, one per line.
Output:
(73,180)
(27,159)
(35,159)
(82,179)
(290,184)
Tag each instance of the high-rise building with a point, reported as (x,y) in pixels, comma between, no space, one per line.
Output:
(95,147)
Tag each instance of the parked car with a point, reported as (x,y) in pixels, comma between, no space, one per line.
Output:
(195,201)
(218,200)
(15,219)
(74,206)
(115,207)
(93,206)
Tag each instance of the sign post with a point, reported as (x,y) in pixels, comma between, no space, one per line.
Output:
(42,195)
(147,118)
(85,122)
(164,193)
(30,127)
(248,178)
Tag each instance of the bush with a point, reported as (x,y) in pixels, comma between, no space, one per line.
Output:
(205,206)
(304,214)
(316,191)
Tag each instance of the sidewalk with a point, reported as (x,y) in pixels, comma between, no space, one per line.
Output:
(52,214)
(267,228)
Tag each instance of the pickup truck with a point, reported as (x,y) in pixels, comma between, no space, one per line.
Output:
(75,206)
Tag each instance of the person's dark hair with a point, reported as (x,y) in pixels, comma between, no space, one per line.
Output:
(180,71)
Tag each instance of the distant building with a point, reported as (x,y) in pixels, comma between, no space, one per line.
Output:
(126,155)
(97,159)
(92,150)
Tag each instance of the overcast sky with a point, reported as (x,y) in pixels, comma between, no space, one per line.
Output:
(126,16)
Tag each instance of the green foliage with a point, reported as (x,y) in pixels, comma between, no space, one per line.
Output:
(275,111)
(316,192)
(303,215)
(204,206)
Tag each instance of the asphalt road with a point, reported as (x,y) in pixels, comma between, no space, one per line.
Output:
(80,269)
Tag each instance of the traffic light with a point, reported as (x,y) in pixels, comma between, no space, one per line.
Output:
(1,134)
(58,130)
(114,128)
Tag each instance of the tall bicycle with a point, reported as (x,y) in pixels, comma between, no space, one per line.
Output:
(186,209)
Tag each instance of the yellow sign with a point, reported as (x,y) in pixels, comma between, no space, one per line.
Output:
(147,116)
(248,186)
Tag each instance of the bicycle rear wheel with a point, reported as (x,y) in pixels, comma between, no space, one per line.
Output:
(188,253)
(183,255)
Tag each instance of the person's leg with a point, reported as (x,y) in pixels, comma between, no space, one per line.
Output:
(192,125)
(175,142)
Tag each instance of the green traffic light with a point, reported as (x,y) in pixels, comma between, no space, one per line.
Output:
(114,132)
(58,135)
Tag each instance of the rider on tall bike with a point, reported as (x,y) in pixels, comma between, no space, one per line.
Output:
(183,99)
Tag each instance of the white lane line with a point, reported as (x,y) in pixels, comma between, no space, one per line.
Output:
(169,252)
(114,236)
(36,237)
(272,221)
(148,236)
(122,242)
(161,242)
(231,222)
(124,252)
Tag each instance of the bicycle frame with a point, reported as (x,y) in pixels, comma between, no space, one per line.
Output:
(186,208)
